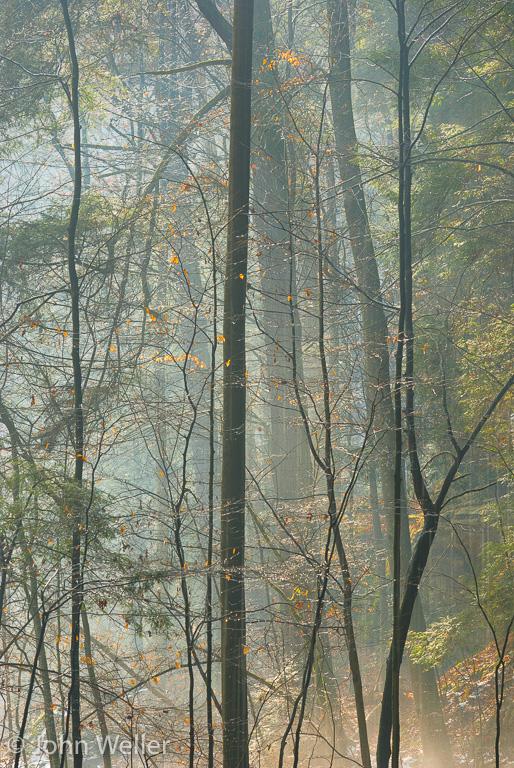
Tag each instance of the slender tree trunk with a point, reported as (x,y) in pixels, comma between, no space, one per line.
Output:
(404,199)
(373,314)
(210,522)
(33,603)
(431,512)
(328,461)
(431,508)
(21,734)
(378,538)
(75,504)
(188,628)
(32,598)
(232,548)
(353,655)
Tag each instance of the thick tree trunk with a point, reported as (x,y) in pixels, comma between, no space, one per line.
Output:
(232,549)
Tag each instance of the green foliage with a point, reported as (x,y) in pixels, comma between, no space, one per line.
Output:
(467,633)
(432,647)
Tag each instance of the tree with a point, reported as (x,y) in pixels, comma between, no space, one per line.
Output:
(403,606)
(233,472)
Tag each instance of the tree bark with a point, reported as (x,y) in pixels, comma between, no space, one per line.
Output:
(291,463)
(75,503)
(232,548)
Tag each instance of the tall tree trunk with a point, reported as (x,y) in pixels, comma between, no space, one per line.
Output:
(404,610)
(374,322)
(75,503)
(210,522)
(328,461)
(291,462)
(232,548)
